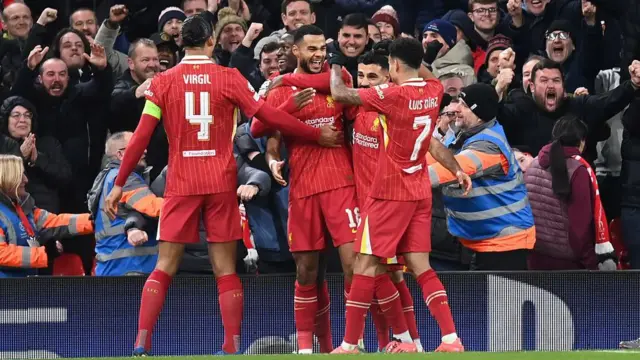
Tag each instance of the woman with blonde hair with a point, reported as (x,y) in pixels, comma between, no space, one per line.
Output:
(24,228)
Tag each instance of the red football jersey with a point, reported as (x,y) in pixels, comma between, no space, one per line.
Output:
(315,169)
(366,151)
(408,116)
(200,103)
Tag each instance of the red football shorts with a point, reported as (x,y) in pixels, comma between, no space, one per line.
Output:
(180,218)
(394,262)
(337,209)
(394,227)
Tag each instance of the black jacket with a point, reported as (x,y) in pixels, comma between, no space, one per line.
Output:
(527,125)
(630,151)
(125,114)
(75,120)
(8,146)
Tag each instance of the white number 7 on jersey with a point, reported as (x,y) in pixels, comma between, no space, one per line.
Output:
(420,121)
(205,119)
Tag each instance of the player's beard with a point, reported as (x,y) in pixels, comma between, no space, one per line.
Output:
(305,64)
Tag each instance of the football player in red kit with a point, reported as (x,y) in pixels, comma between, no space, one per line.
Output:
(322,194)
(199,103)
(397,211)
(394,304)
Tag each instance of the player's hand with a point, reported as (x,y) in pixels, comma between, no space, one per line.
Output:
(35,56)
(247,192)
(330,136)
(275,82)
(47,16)
(304,97)
(276,170)
(118,13)
(142,88)
(465,181)
(137,237)
(98,56)
(112,200)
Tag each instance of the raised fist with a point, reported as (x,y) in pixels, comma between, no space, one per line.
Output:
(48,16)
(254,31)
(507,59)
(118,13)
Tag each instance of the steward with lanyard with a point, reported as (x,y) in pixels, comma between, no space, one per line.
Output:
(24,228)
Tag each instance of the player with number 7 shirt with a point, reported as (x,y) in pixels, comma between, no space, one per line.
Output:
(199,103)
(397,212)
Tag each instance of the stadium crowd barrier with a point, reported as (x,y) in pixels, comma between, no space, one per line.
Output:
(48,317)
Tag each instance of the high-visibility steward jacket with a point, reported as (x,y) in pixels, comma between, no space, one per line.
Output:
(20,252)
(114,255)
(495,215)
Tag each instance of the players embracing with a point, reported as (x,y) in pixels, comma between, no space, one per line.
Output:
(199,103)
(396,216)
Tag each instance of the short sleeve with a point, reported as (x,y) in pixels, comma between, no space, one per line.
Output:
(241,92)
(380,98)
(154,91)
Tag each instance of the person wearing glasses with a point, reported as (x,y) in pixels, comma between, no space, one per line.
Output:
(45,165)
(122,247)
(580,64)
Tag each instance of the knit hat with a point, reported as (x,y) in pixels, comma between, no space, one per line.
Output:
(498,42)
(389,15)
(482,99)
(228,16)
(562,25)
(169,13)
(446,29)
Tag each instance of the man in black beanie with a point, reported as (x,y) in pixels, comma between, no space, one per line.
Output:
(494,220)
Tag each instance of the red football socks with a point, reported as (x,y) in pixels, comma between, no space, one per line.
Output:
(347,288)
(389,301)
(305,307)
(380,322)
(436,299)
(360,296)
(230,296)
(407,308)
(323,319)
(153,295)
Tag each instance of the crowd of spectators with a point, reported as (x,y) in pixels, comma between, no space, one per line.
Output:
(546,59)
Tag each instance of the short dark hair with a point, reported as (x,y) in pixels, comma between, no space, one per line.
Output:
(196,30)
(286,3)
(186,1)
(371,57)
(357,20)
(546,64)
(408,50)
(533,57)
(306,30)
(269,48)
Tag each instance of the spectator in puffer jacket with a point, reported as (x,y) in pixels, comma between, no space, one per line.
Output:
(566,206)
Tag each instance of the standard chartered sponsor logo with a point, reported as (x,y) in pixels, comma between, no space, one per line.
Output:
(365,140)
(320,121)
(553,320)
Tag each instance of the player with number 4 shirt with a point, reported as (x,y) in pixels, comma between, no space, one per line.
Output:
(397,212)
(199,103)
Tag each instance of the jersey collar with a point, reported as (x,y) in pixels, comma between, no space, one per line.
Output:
(414,82)
(196,59)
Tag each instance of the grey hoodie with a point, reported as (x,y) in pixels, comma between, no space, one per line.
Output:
(458,60)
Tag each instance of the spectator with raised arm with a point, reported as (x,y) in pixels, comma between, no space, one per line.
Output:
(107,35)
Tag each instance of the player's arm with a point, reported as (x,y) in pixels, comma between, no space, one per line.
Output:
(321,82)
(272,156)
(139,141)
(425,73)
(339,90)
(260,129)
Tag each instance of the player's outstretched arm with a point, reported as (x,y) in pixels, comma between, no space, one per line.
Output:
(138,143)
(339,91)
(449,162)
